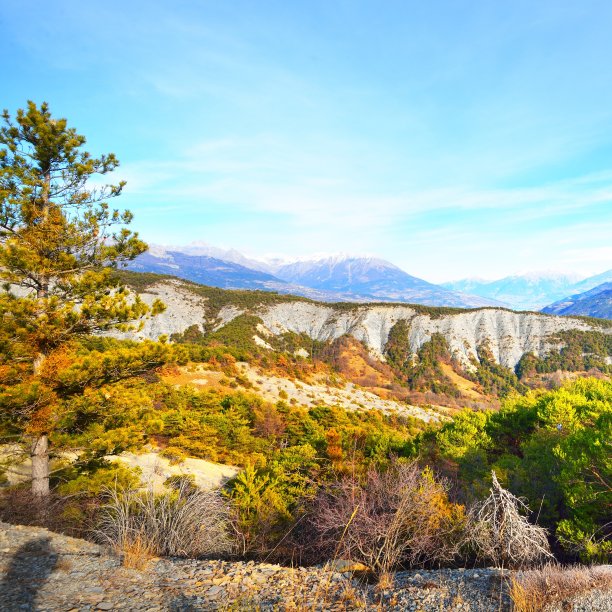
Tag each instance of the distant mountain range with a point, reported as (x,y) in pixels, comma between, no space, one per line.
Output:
(342,278)
(215,272)
(374,279)
(330,279)
(530,291)
(593,281)
(207,250)
(596,302)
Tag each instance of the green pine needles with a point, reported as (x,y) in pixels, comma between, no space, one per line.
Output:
(59,243)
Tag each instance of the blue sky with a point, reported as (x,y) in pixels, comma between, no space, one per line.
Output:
(454,138)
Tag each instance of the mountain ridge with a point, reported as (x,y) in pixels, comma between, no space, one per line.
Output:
(532,290)
(508,334)
(335,278)
(596,302)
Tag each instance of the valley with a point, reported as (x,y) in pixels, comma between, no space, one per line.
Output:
(265,407)
(278,399)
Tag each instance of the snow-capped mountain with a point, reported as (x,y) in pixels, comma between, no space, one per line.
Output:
(215,272)
(199,248)
(341,270)
(593,281)
(372,278)
(335,278)
(203,269)
(530,291)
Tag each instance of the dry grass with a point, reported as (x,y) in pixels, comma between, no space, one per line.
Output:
(533,590)
(200,376)
(238,600)
(352,597)
(332,595)
(63,565)
(468,388)
(136,553)
(355,364)
(386,580)
(187,522)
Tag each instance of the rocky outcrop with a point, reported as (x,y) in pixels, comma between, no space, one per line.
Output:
(509,334)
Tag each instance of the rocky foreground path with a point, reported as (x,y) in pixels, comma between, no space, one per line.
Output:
(41,570)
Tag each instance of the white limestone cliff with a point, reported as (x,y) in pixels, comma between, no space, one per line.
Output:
(509,334)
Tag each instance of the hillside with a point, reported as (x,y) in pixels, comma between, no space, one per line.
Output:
(594,303)
(408,359)
(509,335)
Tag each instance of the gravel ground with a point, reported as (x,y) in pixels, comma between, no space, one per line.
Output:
(41,570)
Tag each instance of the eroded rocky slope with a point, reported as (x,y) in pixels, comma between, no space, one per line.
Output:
(508,334)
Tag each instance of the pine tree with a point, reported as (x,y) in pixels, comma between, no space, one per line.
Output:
(59,245)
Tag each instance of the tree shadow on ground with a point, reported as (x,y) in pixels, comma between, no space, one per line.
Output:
(183,603)
(31,565)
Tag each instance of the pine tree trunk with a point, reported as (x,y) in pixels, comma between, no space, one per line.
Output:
(39,453)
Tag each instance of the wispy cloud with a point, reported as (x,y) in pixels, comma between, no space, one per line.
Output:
(311,187)
(272,198)
(452,141)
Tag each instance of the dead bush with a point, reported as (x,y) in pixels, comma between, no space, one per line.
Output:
(534,590)
(73,515)
(185,522)
(396,518)
(501,535)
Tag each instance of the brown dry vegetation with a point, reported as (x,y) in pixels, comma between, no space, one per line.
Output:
(197,375)
(554,380)
(345,360)
(69,514)
(355,366)
(534,590)
(352,360)
(468,388)
(399,517)
(354,363)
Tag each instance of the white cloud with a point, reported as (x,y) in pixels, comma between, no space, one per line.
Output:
(267,176)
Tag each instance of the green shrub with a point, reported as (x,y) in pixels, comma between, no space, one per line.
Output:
(174,454)
(96,476)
